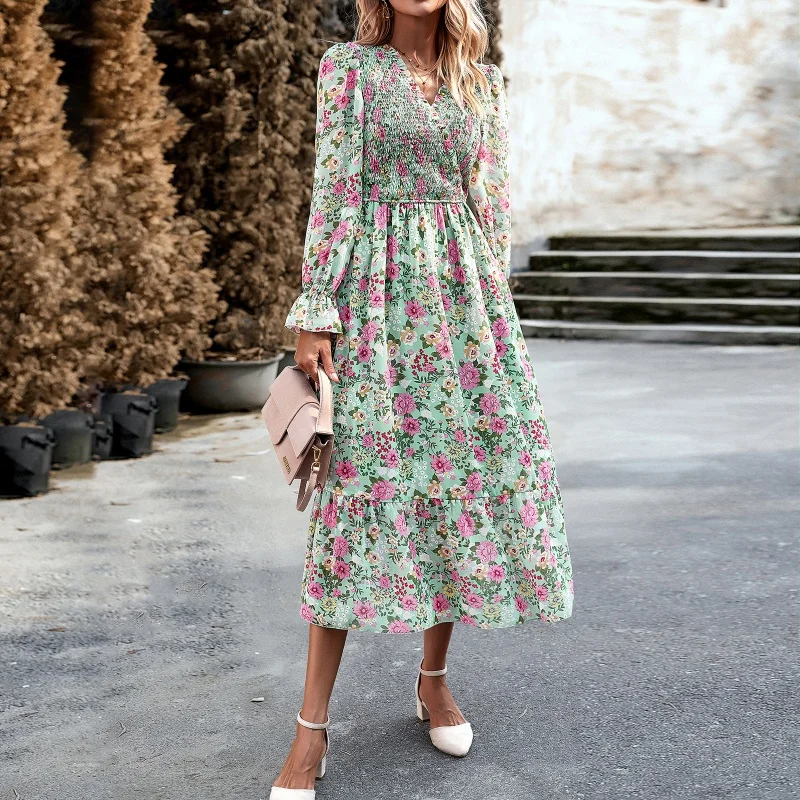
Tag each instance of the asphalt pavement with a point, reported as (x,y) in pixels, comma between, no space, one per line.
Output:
(145,604)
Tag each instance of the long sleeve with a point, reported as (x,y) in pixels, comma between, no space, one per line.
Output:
(489,185)
(336,195)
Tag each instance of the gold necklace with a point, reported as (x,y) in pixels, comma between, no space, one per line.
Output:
(415,71)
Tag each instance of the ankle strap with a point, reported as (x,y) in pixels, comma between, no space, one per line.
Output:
(315,726)
(431,673)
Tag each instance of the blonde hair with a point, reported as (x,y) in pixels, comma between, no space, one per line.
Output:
(461,39)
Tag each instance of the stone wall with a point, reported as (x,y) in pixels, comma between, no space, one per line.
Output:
(644,114)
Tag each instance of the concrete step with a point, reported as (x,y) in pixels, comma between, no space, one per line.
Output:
(664,310)
(630,283)
(684,333)
(777,241)
(665,261)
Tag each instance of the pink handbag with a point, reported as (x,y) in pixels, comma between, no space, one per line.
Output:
(300,425)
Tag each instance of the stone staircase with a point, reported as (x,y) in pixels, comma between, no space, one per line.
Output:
(702,287)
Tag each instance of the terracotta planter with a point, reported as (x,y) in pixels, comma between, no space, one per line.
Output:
(25,459)
(217,387)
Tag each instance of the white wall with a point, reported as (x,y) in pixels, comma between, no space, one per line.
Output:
(645,114)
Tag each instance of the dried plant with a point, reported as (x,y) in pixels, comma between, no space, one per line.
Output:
(246,80)
(148,292)
(45,339)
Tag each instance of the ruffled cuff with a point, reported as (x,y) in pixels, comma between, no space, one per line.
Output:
(314,312)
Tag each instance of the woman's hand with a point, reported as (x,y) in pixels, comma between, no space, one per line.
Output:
(313,347)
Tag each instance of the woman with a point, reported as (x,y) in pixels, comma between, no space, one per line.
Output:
(442,502)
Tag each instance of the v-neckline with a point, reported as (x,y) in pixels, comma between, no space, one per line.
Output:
(411,80)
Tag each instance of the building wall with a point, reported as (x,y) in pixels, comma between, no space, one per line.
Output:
(630,114)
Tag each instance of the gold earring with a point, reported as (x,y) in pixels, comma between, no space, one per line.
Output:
(387,14)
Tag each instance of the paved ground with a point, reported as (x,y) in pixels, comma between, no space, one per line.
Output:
(145,603)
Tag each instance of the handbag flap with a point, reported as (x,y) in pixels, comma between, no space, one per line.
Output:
(289,393)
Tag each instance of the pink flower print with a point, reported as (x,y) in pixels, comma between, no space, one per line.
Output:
(369,331)
(392,459)
(317,220)
(444,348)
(326,67)
(541,592)
(404,403)
(340,231)
(545,471)
(421,187)
(415,310)
(376,299)
(498,425)
(525,459)
(468,620)
(364,610)
(460,276)
(453,253)
(342,100)
(402,169)
(368,92)
(350,80)
(501,328)
(368,441)
(474,483)
(496,573)
(341,569)
(440,604)
(521,604)
(324,255)
(441,464)
(375,191)
(411,426)
(364,352)
(306,612)
(439,213)
(315,590)
(468,375)
(447,302)
(401,524)
(377,114)
(392,271)
(384,582)
(465,525)
(340,547)
(529,514)
(398,626)
(501,349)
(382,216)
(480,453)
(329,518)
(527,369)
(391,376)
(383,490)
(353,197)
(392,247)
(460,436)
(409,452)
(546,541)
(498,598)
(485,154)
(337,592)
(490,403)
(408,602)
(474,600)
(487,552)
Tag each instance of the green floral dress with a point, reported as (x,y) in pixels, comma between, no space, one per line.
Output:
(442,501)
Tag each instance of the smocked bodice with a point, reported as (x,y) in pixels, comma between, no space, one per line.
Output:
(413,150)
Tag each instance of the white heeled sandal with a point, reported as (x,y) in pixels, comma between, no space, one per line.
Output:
(454,740)
(279,793)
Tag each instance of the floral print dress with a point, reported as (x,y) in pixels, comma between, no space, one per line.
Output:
(442,502)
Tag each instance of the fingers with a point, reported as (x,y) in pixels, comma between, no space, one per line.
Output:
(313,348)
(327,362)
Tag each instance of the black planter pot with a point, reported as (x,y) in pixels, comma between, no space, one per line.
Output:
(25,458)
(133,414)
(74,431)
(168,394)
(102,440)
